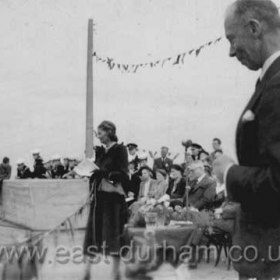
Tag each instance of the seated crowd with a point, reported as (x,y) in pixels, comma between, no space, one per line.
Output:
(191,182)
(56,168)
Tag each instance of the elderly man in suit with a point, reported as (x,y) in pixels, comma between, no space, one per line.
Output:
(253,30)
(163,162)
(203,190)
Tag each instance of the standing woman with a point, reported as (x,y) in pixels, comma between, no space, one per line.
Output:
(108,211)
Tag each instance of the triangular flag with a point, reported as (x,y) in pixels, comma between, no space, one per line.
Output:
(219,39)
(177,59)
(110,63)
(197,52)
(183,58)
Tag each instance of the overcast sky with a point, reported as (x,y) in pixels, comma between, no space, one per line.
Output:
(43,74)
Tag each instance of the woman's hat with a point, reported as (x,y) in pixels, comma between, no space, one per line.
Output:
(148,169)
(177,167)
(162,172)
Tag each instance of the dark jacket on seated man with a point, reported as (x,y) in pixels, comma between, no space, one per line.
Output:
(176,192)
(24,173)
(202,193)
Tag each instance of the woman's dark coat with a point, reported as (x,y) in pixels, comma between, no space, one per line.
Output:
(108,211)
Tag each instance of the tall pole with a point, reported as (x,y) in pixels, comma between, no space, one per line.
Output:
(89,98)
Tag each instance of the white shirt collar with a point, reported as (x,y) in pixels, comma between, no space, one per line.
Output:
(110,146)
(201,178)
(268,63)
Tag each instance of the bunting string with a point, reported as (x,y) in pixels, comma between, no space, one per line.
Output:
(176,60)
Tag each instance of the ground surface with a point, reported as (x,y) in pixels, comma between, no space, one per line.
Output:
(68,265)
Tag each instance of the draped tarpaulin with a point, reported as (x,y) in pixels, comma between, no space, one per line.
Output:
(43,204)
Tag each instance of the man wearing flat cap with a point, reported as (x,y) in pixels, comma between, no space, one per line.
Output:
(252,28)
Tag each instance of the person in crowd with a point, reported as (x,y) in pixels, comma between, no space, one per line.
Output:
(57,167)
(185,165)
(217,146)
(161,184)
(48,167)
(71,174)
(5,169)
(163,162)
(177,185)
(187,144)
(253,30)
(66,167)
(202,192)
(39,168)
(23,171)
(196,149)
(217,154)
(134,183)
(220,196)
(143,160)
(147,183)
(203,156)
(132,155)
(146,190)
(208,169)
(108,210)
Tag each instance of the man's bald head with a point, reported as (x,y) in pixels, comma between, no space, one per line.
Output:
(261,10)
(252,28)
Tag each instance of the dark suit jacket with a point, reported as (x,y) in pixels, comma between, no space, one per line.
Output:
(179,192)
(255,183)
(24,174)
(202,194)
(165,165)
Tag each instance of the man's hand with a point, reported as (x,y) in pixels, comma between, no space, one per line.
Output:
(220,165)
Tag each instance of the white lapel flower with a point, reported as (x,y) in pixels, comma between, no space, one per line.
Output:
(248,116)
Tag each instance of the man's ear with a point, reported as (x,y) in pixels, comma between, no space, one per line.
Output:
(255,27)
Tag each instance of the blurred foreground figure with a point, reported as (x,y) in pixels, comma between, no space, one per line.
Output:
(253,30)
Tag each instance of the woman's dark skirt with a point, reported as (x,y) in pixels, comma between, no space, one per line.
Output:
(105,227)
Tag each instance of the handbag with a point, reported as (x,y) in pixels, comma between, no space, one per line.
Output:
(106,186)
